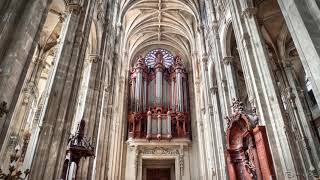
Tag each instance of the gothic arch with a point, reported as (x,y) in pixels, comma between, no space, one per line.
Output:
(227,39)
(93,39)
(170,25)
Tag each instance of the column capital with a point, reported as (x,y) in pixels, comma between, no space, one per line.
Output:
(94,58)
(205,58)
(200,27)
(246,40)
(214,89)
(62,17)
(287,64)
(228,60)
(249,12)
(119,26)
(73,6)
(215,26)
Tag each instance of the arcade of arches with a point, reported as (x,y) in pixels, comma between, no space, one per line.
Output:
(160,89)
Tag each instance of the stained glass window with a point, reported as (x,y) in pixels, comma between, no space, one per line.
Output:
(151,57)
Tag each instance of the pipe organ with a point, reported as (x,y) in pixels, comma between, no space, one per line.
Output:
(158,105)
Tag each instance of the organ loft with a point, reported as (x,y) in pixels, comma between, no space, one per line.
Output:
(160,89)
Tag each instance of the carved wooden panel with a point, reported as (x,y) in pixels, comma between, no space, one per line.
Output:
(248,155)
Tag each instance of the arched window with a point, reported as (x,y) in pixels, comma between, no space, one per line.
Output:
(151,58)
(158,106)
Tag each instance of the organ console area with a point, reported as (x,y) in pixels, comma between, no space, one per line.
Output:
(158,103)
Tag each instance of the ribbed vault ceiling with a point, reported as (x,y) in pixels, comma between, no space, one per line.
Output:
(159,23)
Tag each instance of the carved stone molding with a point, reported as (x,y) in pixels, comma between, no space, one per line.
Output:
(73,6)
(94,58)
(177,152)
(159,151)
(214,89)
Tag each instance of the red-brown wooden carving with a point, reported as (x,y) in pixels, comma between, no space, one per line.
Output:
(248,155)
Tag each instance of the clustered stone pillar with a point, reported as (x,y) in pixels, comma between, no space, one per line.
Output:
(306,137)
(231,77)
(61,108)
(302,19)
(20,23)
(285,150)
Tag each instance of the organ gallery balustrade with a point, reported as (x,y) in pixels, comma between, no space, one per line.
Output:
(158,105)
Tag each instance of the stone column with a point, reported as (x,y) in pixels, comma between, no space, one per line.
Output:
(208,122)
(92,111)
(231,77)
(220,73)
(20,28)
(53,138)
(284,151)
(305,135)
(303,21)
(118,123)
(197,113)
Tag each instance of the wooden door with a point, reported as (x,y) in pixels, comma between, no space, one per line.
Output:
(158,174)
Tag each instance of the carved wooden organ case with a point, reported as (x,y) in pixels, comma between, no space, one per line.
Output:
(248,154)
(158,105)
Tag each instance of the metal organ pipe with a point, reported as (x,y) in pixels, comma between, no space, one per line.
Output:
(159,125)
(159,75)
(152,113)
(179,91)
(173,95)
(139,84)
(138,91)
(149,124)
(133,87)
(169,124)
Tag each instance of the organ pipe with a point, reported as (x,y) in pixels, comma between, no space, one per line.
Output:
(158,99)
(159,126)
(169,124)
(149,121)
(159,84)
